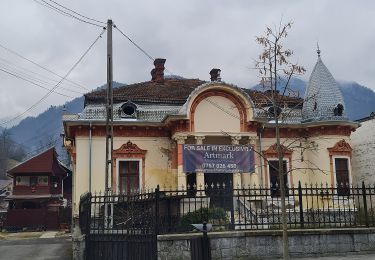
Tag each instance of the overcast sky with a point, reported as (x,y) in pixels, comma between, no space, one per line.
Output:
(194,36)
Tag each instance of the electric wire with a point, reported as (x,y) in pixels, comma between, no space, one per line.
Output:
(26,72)
(94,20)
(36,84)
(58,10)
(51,143)
(138,47)
(57,85)
(32,79)
(134,43)
(40,66)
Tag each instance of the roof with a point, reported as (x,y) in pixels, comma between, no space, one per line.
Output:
(322,95)
(43,162)
(367,118)
(42,196)
(172,91)
(5,183)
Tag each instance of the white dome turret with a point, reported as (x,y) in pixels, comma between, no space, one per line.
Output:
(323,100)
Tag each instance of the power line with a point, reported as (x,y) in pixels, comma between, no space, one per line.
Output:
(138,47)
(77,12)
(57,85)
(33,80)
(41,148)
(36,84)
(40,66)
(135,44)
(25,71)
(62,12)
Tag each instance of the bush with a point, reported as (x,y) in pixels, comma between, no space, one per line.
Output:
(215,216)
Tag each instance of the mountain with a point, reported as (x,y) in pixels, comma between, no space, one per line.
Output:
(36,134)
(359,100)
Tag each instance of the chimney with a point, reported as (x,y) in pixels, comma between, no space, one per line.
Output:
(157,73)
(215,75)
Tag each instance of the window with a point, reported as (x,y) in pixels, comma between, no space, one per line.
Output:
(128,110)
(43,181)
(275,178)
(129,176)
(22,180)
(33,181)
(342,176)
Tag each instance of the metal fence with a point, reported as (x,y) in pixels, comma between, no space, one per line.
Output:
(164,210)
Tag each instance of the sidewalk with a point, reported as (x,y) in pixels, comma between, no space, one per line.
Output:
(354,256)
(31,235)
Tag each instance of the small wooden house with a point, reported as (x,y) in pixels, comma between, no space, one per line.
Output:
(42,189)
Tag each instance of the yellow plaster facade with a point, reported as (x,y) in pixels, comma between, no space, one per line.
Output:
(213,113)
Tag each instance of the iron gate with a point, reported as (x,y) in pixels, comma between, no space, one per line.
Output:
(120,226)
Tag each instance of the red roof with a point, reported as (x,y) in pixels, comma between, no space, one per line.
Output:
(175,91)
(45,162)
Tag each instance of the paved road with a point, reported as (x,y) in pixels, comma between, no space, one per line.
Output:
(36,249)
(344,257)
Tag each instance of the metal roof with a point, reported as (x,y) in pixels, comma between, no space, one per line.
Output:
(322,96)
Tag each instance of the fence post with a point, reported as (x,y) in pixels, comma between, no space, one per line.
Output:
(300,204)
(365,203)
(88,214)
(206,250)
(157,198)
(232,220)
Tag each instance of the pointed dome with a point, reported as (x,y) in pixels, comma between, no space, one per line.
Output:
(323,100)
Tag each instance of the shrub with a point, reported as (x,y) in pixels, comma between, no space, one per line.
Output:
(215,216)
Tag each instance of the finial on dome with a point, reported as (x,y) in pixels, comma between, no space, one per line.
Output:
(318,50)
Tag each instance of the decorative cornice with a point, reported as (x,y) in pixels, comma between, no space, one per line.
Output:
(340,147)
(272,151)
(129,148)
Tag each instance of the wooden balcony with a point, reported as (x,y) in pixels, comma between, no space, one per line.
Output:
(35,190)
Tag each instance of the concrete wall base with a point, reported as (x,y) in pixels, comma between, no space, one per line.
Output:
(79,244)
(268,244)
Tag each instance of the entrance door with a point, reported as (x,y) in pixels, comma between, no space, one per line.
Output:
(219,189)
(214,180)
(129,176)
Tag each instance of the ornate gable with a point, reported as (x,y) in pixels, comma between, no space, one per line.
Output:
(272,151)
(341,148)
(129,149)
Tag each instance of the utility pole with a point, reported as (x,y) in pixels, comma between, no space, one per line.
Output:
(109,117)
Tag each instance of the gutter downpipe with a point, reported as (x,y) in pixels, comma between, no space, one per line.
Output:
(90,154)
(260,130)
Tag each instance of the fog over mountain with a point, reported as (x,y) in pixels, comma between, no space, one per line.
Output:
(359,100)
(38,133)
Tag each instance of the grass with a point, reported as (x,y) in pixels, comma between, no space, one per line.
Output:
(19,235)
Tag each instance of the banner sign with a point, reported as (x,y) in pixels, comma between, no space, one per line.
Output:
(218,158)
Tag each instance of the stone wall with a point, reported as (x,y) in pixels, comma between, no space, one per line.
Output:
(268,244)
(363,144)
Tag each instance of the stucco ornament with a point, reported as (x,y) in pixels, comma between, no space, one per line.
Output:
(129,148)
(341,146)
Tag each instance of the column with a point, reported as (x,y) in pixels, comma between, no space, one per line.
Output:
(248,178)
(200,174)
(237,182)
(181,176)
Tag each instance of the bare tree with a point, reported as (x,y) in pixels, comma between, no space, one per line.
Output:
(8,150)
(4,152)
(276,71)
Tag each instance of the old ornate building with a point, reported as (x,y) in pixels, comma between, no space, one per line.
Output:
(158,122)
